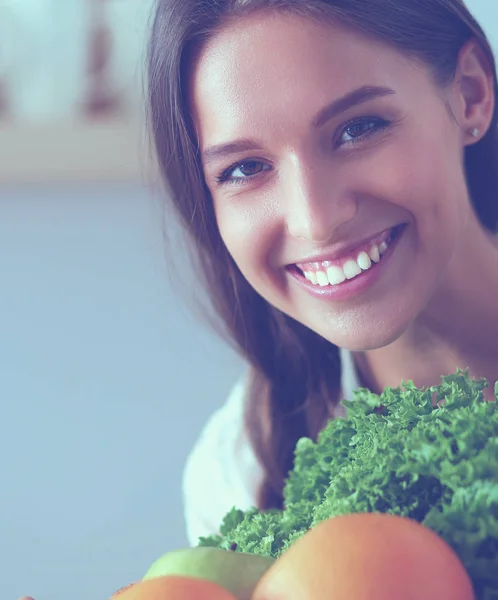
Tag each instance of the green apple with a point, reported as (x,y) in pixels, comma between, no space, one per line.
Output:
(238,572)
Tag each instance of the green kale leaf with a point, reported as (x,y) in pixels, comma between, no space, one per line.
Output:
(429,454)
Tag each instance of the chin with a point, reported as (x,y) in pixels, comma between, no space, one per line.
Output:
(363,335)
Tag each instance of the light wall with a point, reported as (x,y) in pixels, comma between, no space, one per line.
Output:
(106,378)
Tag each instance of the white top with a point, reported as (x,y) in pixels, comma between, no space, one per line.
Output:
(222,470)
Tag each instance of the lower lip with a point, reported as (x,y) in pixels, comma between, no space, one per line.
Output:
(351,287)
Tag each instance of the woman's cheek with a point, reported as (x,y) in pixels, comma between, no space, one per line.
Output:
(248,236)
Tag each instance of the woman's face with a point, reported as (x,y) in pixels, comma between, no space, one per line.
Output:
(335,170)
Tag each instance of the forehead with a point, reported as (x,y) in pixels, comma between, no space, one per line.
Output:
(270,67)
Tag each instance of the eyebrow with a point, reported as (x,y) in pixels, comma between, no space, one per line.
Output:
(335,108)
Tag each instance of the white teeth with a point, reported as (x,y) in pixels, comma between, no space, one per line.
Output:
(351,269)
(374,253)
(364,261)
(328,274)
(335,275)
(323,280)
(311,276)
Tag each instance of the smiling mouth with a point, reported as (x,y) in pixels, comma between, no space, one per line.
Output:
(333,273)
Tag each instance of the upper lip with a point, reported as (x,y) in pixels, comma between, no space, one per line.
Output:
(339,250)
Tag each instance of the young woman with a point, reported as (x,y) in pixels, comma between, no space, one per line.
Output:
(335,164)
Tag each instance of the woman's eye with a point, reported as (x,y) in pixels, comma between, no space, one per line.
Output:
(361,128)
(242,171)
(248,169)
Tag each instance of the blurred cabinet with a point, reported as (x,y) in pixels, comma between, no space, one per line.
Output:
(72,89)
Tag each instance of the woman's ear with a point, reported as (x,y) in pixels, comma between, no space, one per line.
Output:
(474,87)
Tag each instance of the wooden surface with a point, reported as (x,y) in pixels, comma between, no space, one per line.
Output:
(110,150)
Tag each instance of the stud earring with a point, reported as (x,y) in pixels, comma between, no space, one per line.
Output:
(475,132)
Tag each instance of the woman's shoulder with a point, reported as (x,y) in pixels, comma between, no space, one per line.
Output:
(222,470)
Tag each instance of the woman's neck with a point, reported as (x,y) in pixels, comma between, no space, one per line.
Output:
(458,329)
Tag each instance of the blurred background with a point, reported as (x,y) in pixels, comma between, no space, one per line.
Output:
(106,375)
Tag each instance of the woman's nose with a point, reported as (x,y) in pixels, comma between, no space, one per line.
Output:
(315,206)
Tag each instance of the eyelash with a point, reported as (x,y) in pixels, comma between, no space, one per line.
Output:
(226,177)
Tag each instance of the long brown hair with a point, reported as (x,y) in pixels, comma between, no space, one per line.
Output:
(295,372)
